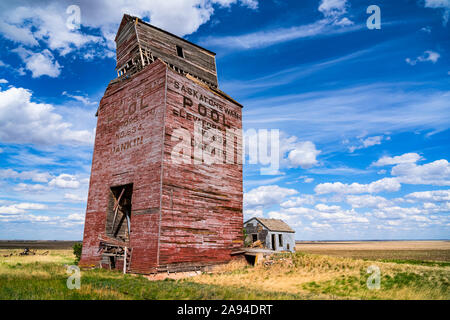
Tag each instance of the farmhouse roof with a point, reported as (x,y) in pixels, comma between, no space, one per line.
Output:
(274,224)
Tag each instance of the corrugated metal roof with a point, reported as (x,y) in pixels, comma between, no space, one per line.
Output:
(274,224)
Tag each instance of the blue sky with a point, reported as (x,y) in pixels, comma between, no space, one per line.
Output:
(363,114)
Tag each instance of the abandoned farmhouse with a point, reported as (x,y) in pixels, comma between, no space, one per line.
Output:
(274,234)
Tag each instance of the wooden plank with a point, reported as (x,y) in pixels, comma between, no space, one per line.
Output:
(116,208)
(136,38)
(125,261)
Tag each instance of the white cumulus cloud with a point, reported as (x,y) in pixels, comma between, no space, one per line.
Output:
(74,197)
(76,217)
(21,208)
(304,155)
(334,10)
(434,196)
(33,175)
(367,201)
(404,158)
(433,173)
(30,22)
(383,185)
(267,195)
(297,201)
(65,181)
(25,121)
(39,63)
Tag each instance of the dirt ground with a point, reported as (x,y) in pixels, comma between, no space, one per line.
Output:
(438,250)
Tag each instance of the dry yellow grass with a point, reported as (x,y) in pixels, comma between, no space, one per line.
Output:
(293,273)
(283,276)
(375,245)
(36,277)
(53,256)
(291,276)
(8,263)
(406,250)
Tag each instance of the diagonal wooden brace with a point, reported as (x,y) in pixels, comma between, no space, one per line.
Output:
(116,208)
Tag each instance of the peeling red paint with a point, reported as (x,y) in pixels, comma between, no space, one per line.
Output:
(183,215)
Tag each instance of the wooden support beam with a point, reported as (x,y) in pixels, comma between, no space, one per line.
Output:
(139,44)
(116,204)
(114,220)
(125,260)
(116,208)
(128,223)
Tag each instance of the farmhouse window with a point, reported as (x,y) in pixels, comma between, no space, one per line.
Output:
(280,238)
(274,245)
(254,237)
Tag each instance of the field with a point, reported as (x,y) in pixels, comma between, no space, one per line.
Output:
(408,270)
(386,250)
(17,244)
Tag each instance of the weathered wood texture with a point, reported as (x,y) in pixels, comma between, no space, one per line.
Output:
(126,43)
(135,35)
(183,216)
(271,238)
(201,203)
(128,148)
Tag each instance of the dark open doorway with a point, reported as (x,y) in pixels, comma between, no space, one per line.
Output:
(118,219)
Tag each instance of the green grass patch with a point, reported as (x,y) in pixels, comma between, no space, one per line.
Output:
(427,285)
(44,277)
(48,281)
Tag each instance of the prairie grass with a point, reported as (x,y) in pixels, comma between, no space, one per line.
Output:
(329,277)
(44,277)
(290,276)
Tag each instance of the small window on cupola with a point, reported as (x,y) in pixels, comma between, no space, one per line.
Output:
(180,52)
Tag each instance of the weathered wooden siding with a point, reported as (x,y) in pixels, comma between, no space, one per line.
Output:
(183,216)
(196,61)
(128,148)
(134,34)
(258,229)
(126,43)
(201,216)
(265,236)
(201,204)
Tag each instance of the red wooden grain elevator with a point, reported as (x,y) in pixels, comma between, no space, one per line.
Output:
(147,213)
